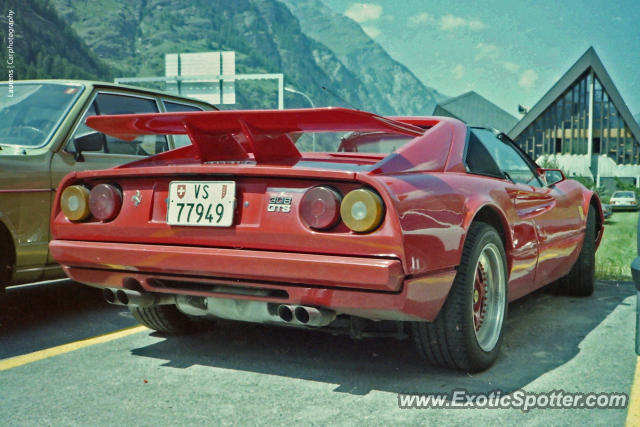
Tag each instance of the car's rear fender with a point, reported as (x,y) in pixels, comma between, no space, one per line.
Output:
(435,211)
(429,216)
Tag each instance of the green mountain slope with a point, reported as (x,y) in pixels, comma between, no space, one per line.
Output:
(267,38)
(44,46)
(387,80)
(135,35)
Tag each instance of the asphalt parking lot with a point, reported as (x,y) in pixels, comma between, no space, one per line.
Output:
(252,374)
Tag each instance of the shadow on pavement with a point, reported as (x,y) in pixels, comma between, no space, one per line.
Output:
(51,314)
(543,332)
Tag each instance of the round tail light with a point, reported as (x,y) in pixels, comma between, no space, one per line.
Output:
(320,207)
(362,210)
(74,202)
(105,201)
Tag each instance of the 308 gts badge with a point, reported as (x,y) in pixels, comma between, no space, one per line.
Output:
(279,204)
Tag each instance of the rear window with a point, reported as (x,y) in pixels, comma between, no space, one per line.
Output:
(350,142)
(175,107)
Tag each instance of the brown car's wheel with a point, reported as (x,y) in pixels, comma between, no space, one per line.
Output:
(164,318)
(580,280)
(5,274)
(467,333)
(3,303)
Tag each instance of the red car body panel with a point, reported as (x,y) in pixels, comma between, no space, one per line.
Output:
(401,271)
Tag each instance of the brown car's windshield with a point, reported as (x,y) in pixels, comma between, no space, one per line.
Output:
(623,194)
(30,112)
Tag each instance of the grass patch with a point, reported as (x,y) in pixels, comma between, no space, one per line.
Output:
(618,247)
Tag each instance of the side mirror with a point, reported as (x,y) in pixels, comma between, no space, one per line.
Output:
(552,176)
(92,141)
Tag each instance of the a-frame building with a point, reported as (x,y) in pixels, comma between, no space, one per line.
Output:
(583,121)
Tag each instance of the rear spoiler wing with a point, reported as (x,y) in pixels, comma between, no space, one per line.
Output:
(232,135)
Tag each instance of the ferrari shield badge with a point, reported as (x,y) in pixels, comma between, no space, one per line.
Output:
(137,198)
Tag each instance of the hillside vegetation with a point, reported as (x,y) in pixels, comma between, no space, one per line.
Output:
(45,47)
(267,37)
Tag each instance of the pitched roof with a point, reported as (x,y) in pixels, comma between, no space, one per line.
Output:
(588,60)
(476,110)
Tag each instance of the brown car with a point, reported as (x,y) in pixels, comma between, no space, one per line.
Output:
(42,138)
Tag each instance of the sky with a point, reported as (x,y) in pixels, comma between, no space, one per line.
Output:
(509,51)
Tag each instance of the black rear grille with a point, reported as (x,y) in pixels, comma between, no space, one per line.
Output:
(218,288)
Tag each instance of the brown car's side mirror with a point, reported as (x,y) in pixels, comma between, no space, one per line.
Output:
(552,176)
(92,141)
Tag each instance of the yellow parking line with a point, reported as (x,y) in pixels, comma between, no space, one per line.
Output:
(633,413)
(24,359)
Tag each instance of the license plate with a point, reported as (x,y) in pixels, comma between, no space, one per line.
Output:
(201,203)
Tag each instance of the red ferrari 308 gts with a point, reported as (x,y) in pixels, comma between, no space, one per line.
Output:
(328,218)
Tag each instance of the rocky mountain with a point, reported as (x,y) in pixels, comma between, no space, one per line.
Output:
(393,85)
(134,35)
(44,45)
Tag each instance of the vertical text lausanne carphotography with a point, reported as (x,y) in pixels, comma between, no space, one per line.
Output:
(10,51)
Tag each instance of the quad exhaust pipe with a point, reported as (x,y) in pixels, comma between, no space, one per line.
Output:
(136,299)
(307,316)
(227,309)
(286,312)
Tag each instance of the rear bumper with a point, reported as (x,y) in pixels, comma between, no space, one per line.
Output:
(369,287)
(266,266)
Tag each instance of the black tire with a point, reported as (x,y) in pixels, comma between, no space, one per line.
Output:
(4,305)
(452,341)
(5,277)
(580,280)
(164,318)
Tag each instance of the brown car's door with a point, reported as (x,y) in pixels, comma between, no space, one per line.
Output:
(24,207)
